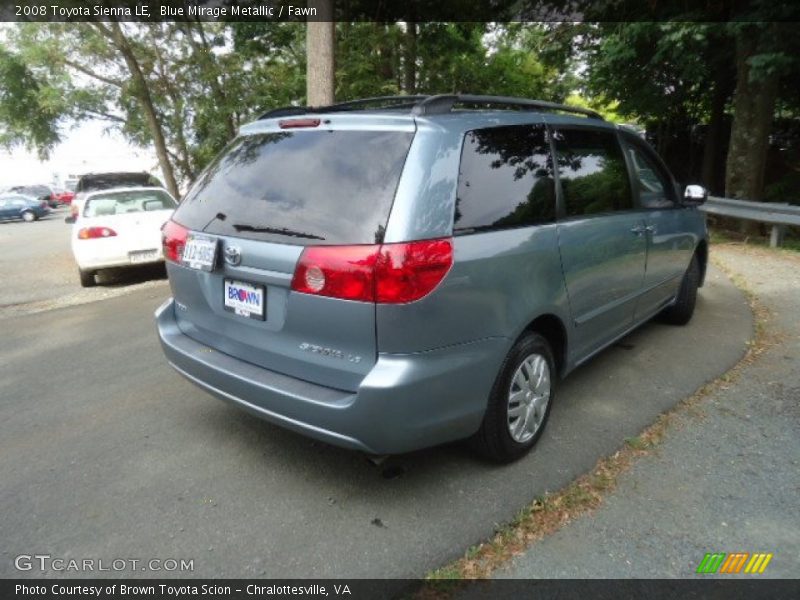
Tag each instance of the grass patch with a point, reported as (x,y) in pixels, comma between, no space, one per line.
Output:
(790,244)
(546,515)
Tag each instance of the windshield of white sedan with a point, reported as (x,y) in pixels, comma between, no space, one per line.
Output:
(122,203)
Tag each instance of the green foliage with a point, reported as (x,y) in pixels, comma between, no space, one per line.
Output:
(28,108)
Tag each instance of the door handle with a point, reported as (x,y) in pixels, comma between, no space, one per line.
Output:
(650,229)
(638,230)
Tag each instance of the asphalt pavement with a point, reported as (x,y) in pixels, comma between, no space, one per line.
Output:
(728,482)
(107,453)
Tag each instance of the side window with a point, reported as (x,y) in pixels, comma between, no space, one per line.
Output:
(592,171)
(505,179)
(654,186)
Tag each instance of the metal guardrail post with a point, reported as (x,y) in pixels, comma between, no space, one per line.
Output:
(776,235)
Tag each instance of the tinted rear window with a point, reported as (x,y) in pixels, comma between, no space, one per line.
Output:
(300,187)
(505,180)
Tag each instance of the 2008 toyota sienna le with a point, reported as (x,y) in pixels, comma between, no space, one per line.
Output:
(395,273)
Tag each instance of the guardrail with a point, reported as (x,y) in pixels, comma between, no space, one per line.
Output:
(777,215)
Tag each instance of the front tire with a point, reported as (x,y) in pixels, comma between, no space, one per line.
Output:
(681,312)
(87,278)
(28,216)
(520,401)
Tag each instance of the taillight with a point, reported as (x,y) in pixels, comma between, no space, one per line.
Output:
(93,233)
(410,271)
(346,272)
(173,239)
(388,273)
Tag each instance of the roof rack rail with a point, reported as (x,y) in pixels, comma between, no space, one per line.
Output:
(363,103)
(431,105)
(443,103)
(285,111)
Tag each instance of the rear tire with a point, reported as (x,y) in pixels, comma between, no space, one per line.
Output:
(28,216)
(87,278)
(520,401)
(681,312)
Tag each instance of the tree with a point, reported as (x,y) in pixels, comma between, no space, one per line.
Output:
(765,52)
(183,87)
(320,42)
(27,114)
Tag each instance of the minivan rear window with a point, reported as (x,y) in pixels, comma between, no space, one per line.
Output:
(300,187)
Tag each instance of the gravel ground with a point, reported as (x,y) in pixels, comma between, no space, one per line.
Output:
(727,481)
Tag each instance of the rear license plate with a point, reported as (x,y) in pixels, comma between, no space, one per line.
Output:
(200,252)
(143,256)
(245,299)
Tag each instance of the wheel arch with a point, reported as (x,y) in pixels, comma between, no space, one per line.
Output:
(552,328)
(701,252)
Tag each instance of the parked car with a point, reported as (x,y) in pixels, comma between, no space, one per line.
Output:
(92,182)
(120,228)
(392,274)
(17,206)
(63,197)
(40,192)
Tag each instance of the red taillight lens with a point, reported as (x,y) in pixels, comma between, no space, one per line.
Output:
(346,272)
(93,233)
(410,271)
(390,273)
(173,240)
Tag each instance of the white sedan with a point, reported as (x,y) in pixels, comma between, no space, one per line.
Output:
(119,228)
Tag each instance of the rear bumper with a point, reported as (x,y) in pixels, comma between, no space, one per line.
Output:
(406,402)
(97,254)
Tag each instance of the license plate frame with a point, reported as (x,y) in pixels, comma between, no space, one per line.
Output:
(238,303)
(138,257)
(196,252)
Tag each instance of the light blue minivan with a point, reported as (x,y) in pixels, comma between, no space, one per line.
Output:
(395,273)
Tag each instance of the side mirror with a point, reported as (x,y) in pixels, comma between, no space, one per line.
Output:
(695,195)
(70,219)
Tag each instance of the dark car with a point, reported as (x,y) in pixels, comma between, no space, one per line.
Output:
(91,182)
(16,206)
(42,192)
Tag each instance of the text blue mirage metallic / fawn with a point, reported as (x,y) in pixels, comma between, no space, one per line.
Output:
(395,273)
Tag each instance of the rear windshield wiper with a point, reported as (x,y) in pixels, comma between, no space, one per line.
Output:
(277,230)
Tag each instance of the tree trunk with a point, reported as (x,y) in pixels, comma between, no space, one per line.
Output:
(410,59)
(142,92)
(320,63)
(711,148)
(753,108)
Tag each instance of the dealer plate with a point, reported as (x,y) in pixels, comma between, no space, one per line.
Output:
(245,299)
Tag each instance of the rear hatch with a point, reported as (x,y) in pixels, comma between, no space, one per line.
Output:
(276,190)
